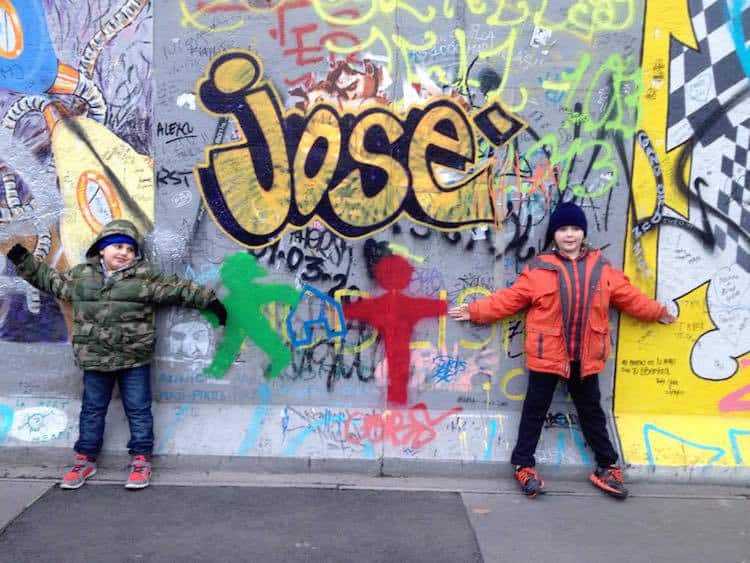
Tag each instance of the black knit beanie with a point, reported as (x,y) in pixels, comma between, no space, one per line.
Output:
(565,214)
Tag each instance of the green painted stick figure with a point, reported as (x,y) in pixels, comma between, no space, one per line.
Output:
(245,319)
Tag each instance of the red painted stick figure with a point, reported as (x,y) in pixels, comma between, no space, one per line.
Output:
(394,315)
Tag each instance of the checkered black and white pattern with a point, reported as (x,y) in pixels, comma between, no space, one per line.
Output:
(733,200)
(702,84)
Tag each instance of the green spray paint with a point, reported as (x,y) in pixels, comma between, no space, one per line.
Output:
(619,113)
(245,319)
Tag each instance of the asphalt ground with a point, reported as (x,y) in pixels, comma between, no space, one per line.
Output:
(336,518)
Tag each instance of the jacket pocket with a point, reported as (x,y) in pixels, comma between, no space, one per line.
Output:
(598,343)
(545,342)
(546,309)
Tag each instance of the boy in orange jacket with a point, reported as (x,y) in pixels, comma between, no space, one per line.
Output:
(568,293)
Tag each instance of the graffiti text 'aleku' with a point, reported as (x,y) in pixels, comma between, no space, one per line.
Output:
(356,172)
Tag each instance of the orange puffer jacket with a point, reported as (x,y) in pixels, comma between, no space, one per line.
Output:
(541,289)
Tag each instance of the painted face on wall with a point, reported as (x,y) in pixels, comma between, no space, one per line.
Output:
(568,240)
(190,339)
(118,255)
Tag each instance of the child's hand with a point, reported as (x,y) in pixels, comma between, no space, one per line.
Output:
(17,254)
(460,313)
(667,318)
(218,309)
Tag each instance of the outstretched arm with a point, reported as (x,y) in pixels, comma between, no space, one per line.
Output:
(629,299)
(173,290)
(40,275)
(500,304)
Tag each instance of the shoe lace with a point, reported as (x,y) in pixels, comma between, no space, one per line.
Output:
(139,465)
(615,473)
(526,473)
(79,465)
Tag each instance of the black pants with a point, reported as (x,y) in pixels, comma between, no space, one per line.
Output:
(586,398)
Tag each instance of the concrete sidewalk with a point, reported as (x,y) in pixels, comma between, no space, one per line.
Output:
(230,516)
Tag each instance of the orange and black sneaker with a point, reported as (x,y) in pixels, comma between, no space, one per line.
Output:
(531,483)
(609,480)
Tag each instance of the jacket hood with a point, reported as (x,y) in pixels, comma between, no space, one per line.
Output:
(116,227)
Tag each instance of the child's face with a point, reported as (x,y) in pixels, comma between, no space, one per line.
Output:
(117,255)
(568,239)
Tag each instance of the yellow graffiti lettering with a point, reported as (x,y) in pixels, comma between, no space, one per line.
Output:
(322,125)
(349,200)
(518,14)
(356,187)
(441,192)
(460,300)
(587,17)
(191,19)
(324,9)
(401,250)
(512,374)
(442,323)
(476,7)
(255,208)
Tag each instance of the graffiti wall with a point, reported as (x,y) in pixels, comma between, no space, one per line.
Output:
(341,173)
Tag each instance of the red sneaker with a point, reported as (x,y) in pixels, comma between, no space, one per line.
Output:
(83,468)
(140,473)
(531,483)
(609,480)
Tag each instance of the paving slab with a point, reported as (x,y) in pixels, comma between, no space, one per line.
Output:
(17,495)
(170,523)
(583,528)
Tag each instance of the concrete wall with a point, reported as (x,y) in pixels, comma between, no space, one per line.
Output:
(451,130)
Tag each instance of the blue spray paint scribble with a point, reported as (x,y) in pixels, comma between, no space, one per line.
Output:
(578,441)
(560,447)
(208,273)
(733,433)
(447,368)
(326,303)
(735,9)
(491,440)
(294,444)
(6,416)
(650,454)
(259,414)
(164,440)
(284,424)
(369,450)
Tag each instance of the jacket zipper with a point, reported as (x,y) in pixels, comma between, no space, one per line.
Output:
(540,345)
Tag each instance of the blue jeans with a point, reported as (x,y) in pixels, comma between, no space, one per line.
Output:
(135,391)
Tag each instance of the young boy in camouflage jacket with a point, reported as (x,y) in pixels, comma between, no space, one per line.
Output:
(114,294)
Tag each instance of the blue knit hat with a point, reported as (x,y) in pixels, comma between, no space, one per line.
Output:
(117,238)
(566,214)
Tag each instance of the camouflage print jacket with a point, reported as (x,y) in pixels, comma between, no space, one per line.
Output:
(113,318)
